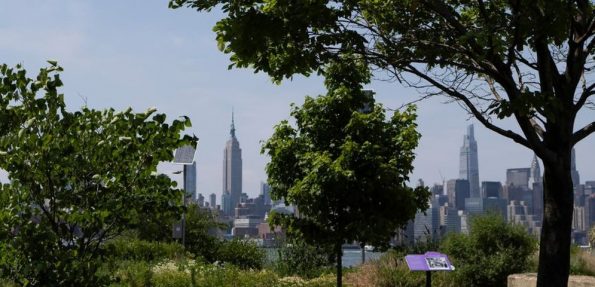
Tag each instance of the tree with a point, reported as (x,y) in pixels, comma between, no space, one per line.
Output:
(525,60)
(201,232)
(77,178)
(344,166)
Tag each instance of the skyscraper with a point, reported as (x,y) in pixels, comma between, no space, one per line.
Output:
(457,190)
(469,168)
(265,191)
(536,184)
(576,179)
(232,172)
(190,180)
(535,175)
(213,200)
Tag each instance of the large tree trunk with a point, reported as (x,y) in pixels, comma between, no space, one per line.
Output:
(339,253)
(558,200)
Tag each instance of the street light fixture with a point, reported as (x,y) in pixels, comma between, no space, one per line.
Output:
(184,156)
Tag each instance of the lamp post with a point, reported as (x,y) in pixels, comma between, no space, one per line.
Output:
(185,156)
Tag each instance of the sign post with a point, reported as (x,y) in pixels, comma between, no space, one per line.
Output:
(428,262)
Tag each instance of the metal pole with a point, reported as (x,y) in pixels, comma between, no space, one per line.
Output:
(184,205)
(428,279)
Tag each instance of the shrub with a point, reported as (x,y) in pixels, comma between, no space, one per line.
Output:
(241,253)
(201,226)
(492,250)
(296,257)
(582,262)
(132,274)
(140,250)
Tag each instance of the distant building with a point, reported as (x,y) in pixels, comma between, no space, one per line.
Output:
(469,167)
(477,206)
(491,189)
(200,200)
(265,191)
(578,219)
(213,200)
(535,172)
(457,190)
(576,179)
(437,189)
(232,172)
(536,183)
(426,226)
(450,219)
(517,186)
(518,213)
(518,177)
(190,180)
(246,226)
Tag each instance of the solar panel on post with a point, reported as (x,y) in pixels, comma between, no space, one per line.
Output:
(184,155)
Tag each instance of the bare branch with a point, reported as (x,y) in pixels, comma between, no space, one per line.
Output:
(587,92)
(478,115)
(583,133)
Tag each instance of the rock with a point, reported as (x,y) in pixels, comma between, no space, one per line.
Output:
(530,280)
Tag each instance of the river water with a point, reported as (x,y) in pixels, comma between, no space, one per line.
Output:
(351,257)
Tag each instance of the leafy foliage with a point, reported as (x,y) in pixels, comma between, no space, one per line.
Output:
(77,178)
(492,251)
(132,249)
(241,253)
(344,166)
(296,257)
(201,232)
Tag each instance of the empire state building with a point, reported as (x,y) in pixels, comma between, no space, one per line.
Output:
(232,172)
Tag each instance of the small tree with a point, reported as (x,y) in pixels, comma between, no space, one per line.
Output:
(344,166)
(77,179)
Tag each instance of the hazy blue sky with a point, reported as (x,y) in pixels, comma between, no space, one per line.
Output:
(141,54)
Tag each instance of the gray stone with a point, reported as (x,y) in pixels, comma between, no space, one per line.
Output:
(530,280)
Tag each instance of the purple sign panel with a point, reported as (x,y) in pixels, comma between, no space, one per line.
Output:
(430,261)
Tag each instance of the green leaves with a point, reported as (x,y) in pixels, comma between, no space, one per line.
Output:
(77,178)
(344,165)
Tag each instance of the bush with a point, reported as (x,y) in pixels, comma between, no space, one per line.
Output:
(140,250)
(132,274)
(582,262)
(492,251)
(201,227)
(296,257)
(241,253)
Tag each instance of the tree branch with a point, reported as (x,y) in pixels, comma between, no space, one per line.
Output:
(587,92)
(478,115)
(583,133)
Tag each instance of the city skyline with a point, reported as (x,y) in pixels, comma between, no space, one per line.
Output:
(169,59)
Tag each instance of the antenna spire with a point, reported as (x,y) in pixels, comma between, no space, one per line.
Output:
(233,127)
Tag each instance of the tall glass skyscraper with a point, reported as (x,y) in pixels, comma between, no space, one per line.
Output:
(232,172)
(469,168)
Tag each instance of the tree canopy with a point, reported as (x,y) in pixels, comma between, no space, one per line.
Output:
(344,166)
(77,179)
(526,60)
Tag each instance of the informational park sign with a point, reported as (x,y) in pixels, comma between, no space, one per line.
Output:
(428,262)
